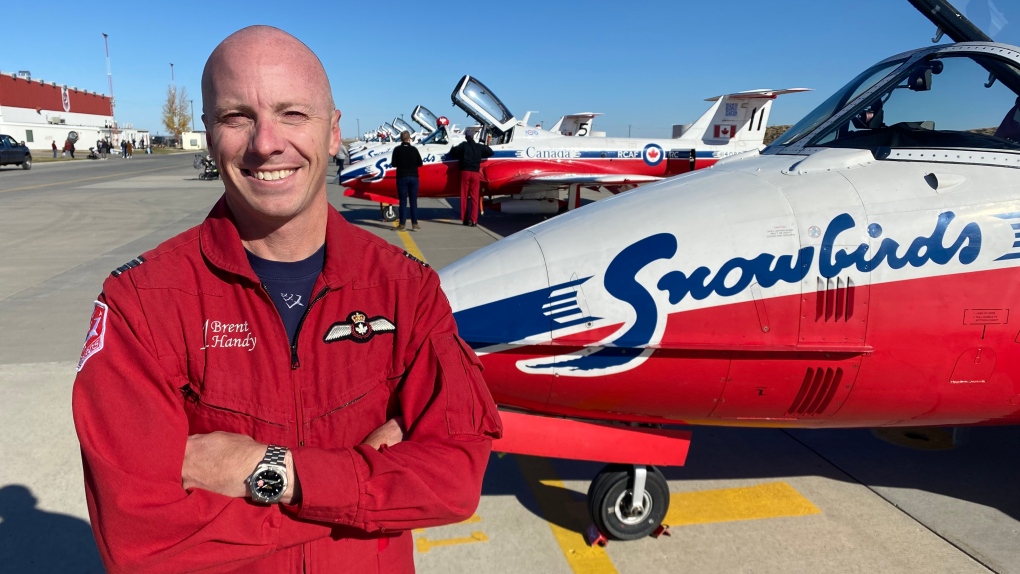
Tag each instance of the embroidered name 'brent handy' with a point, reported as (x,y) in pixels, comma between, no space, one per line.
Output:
(358,328)
(217,334)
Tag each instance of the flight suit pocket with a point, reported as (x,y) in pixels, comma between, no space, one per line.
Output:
(469,406)
(210,409)
(345,419)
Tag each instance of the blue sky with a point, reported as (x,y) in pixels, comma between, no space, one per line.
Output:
(643,65)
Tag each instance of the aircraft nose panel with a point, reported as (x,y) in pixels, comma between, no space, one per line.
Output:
(502,294)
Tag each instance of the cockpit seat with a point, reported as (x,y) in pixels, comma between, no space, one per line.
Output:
(871,118)
(1010,127)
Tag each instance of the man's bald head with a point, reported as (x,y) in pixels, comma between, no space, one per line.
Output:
(255,44)
(271,127)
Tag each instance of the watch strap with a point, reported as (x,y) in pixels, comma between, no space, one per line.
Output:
(275,455)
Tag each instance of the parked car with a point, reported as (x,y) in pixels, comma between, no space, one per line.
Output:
(12,152)
(163,141)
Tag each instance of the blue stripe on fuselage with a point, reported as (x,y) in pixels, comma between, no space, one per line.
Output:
(354,174)
(514,318)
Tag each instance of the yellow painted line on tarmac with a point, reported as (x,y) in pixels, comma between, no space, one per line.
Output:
(409,244)
(424,544)
(566,517)
(770,500)
(113,175)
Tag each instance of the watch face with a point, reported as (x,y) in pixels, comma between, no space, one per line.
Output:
(268,484)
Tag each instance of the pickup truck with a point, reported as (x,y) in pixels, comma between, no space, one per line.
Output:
(13,152)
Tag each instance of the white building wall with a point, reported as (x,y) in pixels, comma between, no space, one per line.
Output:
(45,128)
(193,140)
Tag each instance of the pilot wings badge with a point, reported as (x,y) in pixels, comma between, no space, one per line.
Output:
(358,328)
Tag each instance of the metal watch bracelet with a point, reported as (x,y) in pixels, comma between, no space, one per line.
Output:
(275,455)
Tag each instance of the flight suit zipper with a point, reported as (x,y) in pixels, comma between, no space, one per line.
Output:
(294,362)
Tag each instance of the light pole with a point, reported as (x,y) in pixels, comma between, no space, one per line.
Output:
(171,72)
(192,114)
(359,128)
(109,77)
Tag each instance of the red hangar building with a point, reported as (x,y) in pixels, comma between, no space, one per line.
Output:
(38,113)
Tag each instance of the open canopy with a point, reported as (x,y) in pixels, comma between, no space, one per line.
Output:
(424,118)
(402,126)
(481,104)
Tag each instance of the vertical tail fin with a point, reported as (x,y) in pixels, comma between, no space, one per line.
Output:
(739,118)
(579,124)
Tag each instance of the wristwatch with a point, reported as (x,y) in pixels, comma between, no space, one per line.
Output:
(268,481)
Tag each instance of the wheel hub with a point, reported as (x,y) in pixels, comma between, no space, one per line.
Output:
(631,516)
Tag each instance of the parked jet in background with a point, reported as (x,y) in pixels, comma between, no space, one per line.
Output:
(532,167)
(387,136)
(861,271)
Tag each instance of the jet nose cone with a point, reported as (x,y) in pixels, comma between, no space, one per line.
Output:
(353,176)
(498,293)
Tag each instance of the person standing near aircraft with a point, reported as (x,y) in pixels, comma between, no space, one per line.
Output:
(215,436)
(470,155)
(339,158)
(407,160)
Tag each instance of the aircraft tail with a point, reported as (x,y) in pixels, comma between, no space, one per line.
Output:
(736,118)
(575,124)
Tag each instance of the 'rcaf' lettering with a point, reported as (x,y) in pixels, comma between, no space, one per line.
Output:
(219,335)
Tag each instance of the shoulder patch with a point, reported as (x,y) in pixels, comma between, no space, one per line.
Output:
(129,265)
(415,259)
(96,336)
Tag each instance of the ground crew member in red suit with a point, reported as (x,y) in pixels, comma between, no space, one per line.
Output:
(470,155)
(275,390)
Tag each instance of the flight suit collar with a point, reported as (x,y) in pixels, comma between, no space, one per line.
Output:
(221,245)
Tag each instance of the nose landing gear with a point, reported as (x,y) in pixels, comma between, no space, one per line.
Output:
(621,514)
(388,211)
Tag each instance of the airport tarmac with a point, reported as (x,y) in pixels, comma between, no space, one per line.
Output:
(749,500)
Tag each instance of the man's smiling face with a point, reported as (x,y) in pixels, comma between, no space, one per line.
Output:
(271,122)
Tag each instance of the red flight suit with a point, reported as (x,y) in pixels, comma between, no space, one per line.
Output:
(185,340)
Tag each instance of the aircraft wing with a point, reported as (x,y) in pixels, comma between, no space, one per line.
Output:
(593,178)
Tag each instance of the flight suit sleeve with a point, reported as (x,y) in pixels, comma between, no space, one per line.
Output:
(130,420)
(435,475)
(457,151)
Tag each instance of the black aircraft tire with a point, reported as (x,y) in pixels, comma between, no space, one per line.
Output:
(609,499)
(388,211)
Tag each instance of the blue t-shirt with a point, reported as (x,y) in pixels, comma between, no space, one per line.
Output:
(289,284)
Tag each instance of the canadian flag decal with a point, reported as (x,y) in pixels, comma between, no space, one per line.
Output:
(725,131)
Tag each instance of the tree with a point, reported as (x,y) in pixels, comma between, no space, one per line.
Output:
(176,118)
